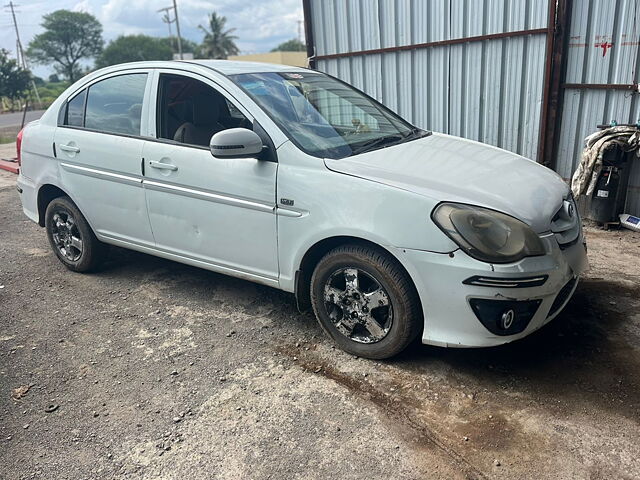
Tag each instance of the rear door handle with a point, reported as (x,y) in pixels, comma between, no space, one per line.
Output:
(69,148)
(163,166)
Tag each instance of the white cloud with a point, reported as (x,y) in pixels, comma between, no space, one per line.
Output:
(260,24)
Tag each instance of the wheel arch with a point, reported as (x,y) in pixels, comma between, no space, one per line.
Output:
(47,193)
(302,281)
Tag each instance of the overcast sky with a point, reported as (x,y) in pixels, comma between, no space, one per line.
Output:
(260,24)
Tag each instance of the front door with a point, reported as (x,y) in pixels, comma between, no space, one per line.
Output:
(211,210)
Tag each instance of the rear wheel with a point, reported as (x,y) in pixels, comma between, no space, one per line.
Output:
(71,237)
(365,301)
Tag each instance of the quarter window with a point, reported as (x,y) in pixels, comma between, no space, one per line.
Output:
(114,105)
(75,110)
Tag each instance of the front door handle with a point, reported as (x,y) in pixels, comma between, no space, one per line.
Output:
(69,148)
(163,166)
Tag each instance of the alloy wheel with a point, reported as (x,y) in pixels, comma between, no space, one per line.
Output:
(358,305)
(66,235)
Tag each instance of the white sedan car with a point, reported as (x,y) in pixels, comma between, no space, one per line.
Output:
(294,179)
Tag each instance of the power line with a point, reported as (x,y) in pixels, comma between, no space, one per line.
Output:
(22,59)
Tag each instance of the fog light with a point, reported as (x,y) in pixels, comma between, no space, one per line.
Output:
(507,319)
(504,317)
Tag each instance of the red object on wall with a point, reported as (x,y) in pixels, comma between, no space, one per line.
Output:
(604,46)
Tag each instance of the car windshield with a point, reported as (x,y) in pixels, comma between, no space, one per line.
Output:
(323,116)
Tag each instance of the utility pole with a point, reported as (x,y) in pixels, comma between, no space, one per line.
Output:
(175,11)
(167,19)
(300,31)
(20,52)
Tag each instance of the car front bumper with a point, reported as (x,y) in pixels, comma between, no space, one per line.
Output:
(450,320)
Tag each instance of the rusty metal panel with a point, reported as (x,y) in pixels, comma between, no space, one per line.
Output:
(603,49)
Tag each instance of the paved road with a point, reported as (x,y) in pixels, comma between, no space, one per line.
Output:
(151,369)
(13,119)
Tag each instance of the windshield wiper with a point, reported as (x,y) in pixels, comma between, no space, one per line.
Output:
(376,142)
(417,133)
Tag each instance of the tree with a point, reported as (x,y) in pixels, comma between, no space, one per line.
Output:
(68,38)
(134,48)
(188,46)
(14,81)
(54,78)
(218,42)
(293,45)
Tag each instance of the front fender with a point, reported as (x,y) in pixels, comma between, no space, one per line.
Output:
(332,204)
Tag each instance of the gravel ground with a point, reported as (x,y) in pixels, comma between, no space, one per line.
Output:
(152,369)
(7,151)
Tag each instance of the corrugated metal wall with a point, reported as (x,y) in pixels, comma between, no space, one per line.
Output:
(602,49)
(489,90)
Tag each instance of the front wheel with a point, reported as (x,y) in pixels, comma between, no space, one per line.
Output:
(365,301)
(71,237)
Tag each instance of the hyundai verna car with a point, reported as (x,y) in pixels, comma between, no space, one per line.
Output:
(293,179)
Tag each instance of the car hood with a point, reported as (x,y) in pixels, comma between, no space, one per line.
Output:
(447,168)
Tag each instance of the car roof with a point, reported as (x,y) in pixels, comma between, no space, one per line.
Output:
(223,67)
(231,67)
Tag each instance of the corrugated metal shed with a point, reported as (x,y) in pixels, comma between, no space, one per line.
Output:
(477,68)
(601,70)
(475,90)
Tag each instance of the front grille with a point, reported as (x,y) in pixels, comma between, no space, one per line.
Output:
(562,296)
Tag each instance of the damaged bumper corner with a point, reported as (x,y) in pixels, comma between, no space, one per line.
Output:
(468,303)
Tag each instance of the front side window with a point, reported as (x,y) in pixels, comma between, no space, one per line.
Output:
(114,105)
(323,116)
(191,112)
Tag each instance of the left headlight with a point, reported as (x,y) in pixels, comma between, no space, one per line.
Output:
(487,235)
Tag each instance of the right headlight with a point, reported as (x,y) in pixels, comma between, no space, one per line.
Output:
(487,235)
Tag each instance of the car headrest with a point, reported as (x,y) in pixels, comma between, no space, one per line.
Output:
(207,108)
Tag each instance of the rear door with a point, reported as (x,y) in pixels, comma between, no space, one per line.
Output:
(99,146)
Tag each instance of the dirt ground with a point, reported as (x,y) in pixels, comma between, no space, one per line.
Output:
(152,369)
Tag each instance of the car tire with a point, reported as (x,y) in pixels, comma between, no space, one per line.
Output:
(71,237)
(381,291)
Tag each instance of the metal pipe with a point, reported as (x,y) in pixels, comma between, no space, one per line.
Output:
(602,86)
(308,33)
(441,43)
(559,24)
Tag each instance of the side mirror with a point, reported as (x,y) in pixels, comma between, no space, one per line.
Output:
(235,143)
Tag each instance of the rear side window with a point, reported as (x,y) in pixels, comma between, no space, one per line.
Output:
(114,105)
(75,110)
